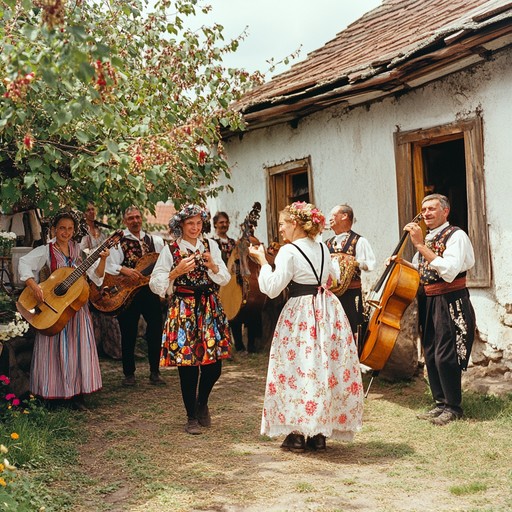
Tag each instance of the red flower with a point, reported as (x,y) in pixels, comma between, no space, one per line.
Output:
(202,157)
(281,417)
(272,388)
(333,381)
(342,418)
(354,388)
(335,354)
(312,332)
(282,378)
(291,355)
(28,141)
(292,382)
(311,407)
(346,375)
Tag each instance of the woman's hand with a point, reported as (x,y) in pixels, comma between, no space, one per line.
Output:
(186,264)
(209,263)
(258,254)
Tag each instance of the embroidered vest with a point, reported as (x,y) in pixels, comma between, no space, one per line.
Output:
(437,245)
(349,248)
(197,277)
(133,250)
(226,248)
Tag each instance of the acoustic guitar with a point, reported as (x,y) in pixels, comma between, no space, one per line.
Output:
(65,292)
(117,292)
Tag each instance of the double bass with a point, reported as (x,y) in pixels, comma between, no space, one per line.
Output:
(388,300)
(242,293)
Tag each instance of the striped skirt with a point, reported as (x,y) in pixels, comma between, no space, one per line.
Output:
(66,364)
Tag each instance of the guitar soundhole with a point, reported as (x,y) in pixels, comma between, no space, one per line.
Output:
(60,290)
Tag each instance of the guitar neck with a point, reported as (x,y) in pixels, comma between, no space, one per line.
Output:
(85,265)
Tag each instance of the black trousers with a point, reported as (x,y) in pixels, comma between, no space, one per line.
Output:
(252,320)
(190,376)
(448,323)
(147,304)
(352,302)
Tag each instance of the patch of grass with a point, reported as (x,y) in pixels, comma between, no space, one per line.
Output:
(460,490)
(488,407)
(304,487)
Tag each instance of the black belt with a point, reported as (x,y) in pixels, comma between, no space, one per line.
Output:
(299,290)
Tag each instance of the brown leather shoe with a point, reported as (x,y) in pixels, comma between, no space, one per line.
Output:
(445,417)
(203,416)
(156,379)
(129,381)
(294,443)
(316,442)
(193,427)
(433,413)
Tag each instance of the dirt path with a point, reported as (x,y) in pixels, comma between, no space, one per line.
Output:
(137,457)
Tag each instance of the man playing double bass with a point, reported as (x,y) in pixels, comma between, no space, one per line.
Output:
(354,245)
(446,314)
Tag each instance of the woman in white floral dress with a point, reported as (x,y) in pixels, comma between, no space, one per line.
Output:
(314,387)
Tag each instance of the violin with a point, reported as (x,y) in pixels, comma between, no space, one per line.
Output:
(389,298)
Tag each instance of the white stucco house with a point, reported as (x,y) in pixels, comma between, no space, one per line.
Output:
(413,98)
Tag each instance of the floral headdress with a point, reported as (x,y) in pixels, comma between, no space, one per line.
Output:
(189,210)
(306,212)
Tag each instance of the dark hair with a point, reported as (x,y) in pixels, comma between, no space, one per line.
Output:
(218,215)
(65,215)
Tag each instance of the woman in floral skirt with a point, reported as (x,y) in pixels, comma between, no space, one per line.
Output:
(314,387)
(196,334)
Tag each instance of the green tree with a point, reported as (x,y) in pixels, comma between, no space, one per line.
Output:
(112,100)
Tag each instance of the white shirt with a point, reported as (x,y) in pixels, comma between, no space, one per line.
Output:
(457,257)
(291,265)
(163,286)
(364,253)
(116,258)
(30,265)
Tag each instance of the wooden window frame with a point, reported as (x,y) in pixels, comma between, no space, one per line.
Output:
(274,204)
(409,176)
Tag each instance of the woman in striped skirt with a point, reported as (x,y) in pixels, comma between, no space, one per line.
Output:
(64,366)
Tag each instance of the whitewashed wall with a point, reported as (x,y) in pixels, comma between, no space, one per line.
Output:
(352,158)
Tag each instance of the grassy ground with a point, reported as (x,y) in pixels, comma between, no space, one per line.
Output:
(129,453)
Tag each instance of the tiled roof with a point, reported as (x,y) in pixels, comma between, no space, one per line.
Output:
(399,45)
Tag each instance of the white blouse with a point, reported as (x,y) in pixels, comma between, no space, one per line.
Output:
(30,265)
(116,258)
(163,286)
(291,265)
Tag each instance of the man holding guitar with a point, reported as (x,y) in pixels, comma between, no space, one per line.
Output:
(123,260)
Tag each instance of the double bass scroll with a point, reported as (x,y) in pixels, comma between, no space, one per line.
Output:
(389,298)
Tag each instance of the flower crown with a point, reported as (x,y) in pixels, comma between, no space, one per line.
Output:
(189,210)
(306,212)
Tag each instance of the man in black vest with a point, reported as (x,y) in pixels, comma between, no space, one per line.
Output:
(446,314)
(350,243)
(123,260)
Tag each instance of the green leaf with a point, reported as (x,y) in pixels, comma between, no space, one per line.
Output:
(58,179)
(49,77)
(112,147)
(82,136)
(34,163)
(30,32)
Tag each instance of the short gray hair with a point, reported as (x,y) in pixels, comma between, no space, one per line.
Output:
(443,200)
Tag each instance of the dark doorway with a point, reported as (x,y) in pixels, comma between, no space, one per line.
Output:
(444,172)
